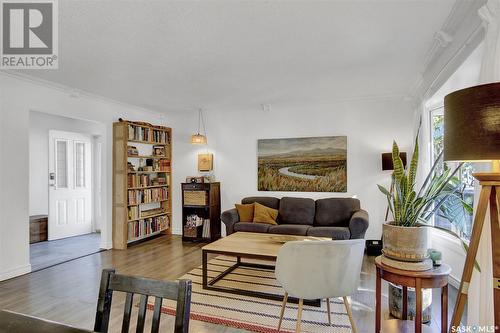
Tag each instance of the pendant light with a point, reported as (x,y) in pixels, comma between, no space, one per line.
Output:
(199,139)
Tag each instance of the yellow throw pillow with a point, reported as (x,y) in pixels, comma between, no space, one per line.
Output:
(263,214)
(245,211)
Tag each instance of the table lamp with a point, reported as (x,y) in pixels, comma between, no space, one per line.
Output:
(388,165)
(387,161)
(472,133)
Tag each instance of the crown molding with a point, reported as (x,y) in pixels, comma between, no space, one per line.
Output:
(459,35)
(73,92)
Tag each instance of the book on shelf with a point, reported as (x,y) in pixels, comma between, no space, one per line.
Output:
(145,180)
(159,151)
(135,213)
(150,212)
(140,133)
(147,226)
(159,181)
(163,165)
(136,197)
(132,151)
(206,228)
(157,166)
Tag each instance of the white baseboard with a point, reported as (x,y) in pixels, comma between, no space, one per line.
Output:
(16,271)
(106,245)
(176,231)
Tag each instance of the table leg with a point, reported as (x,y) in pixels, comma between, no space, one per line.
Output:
(204,270)
(378,303)
(418,306)
(444,309)
(404,314)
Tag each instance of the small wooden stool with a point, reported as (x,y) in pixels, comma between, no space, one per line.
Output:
(434,278)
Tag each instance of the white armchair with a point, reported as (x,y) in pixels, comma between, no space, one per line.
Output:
(318,270)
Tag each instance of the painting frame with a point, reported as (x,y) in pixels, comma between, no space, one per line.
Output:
(302,164)
(205,162)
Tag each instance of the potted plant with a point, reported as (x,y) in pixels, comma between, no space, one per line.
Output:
(404,238)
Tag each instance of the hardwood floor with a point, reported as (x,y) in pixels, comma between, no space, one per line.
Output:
(49,253)
(68,292)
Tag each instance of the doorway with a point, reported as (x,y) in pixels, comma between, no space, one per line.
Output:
(70,184)
(64,166)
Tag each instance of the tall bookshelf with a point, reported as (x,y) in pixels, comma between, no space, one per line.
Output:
(142,195)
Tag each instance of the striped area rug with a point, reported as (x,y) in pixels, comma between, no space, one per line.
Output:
(250,313)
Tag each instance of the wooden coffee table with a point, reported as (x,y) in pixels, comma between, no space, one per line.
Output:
(248,245)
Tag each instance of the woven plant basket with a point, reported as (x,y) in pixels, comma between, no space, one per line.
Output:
(404,243)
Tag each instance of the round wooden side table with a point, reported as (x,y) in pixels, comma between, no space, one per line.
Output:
(433,278)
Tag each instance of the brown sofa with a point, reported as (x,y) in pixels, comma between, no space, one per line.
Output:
(337,218)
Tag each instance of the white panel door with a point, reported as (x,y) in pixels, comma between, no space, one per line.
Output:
(70,184)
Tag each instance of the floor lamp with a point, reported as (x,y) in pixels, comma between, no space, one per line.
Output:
(472,133)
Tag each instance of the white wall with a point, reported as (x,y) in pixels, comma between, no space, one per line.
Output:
(466,75)
(39,126)
(19,96)
(370,126)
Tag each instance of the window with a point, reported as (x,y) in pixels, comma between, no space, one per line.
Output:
(79,164)
(61,164)
(462,221)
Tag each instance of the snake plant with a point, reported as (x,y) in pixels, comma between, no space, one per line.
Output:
(411,207)
(440,194)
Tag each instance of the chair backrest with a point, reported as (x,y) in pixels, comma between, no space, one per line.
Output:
(179,291)
(320,269)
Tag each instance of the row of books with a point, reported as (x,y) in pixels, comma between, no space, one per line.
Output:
(147,226)
(140,133)
(135,213)
(144,180)
(155,165)
(206,229)
(136,197)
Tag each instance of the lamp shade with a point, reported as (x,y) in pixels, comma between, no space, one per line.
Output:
(198,139)
(472,124)
(387,160)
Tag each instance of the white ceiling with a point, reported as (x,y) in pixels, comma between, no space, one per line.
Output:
(181,55)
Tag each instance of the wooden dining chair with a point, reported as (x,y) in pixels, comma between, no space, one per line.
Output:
(179,291)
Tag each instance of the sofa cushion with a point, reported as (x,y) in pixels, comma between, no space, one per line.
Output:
(263,214)
(296,211)
(270,202)
(251,227)
(245,212)
(289,229)
(335,211)
(330,232)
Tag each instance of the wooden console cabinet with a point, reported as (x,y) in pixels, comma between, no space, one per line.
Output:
(203,201)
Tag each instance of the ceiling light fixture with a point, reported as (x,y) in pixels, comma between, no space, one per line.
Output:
(199,139)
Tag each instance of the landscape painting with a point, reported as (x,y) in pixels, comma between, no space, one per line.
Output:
(316,164)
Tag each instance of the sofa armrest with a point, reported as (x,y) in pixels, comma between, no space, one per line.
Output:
(358,224)
(230,218)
